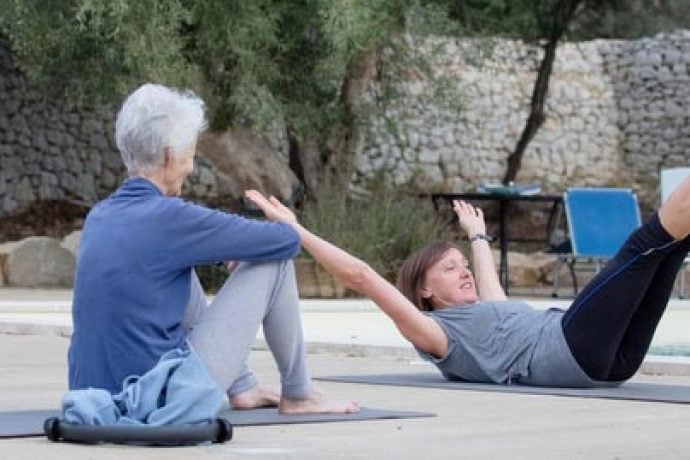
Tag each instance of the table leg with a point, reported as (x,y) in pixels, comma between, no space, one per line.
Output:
(503,270)
(553,222)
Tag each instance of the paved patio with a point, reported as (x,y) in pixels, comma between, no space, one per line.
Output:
(352,337)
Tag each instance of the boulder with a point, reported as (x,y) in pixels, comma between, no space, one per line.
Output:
(530,270)
(71,242)
(536,269)
(313,281)
(533,269)
(5,250)
(37,262)
(243,160)
(584,272)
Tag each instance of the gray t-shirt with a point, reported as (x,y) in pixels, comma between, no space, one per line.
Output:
(507,342)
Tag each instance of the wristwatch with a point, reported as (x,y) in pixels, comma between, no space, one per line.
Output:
(481,236)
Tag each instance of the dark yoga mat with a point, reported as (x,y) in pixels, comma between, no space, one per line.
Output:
(635,391)
(21,424)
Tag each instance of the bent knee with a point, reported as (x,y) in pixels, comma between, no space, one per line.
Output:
(256,271)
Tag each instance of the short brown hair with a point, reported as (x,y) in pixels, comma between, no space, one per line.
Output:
(412,272)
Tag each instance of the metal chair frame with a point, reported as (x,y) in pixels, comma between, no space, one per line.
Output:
(610,232)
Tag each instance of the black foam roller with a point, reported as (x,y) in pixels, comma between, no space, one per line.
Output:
(218,431)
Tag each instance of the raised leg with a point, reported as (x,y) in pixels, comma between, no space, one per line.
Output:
(675,212)
(643,324)
(259,293)
(226,330)
(622,305)
(245,392)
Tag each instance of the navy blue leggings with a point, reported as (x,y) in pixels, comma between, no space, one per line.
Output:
(610,324)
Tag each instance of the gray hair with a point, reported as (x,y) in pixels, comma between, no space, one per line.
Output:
(153,118)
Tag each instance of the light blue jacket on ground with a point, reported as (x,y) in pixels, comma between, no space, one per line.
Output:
(177,391)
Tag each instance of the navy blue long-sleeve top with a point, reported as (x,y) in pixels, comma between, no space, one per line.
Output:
(136,256)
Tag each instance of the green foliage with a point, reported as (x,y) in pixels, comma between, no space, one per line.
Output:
(507,18)
(211,277)
(96,49)
(382,228)
(268,63)
(531,19)
(236,44)
(258,63)
(630,19)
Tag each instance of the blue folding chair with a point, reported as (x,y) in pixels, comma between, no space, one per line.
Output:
(599,222)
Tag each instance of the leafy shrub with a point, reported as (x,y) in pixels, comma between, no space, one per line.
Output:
(211,277)
(382,227)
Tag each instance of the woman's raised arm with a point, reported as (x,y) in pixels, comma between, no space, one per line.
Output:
(472,223)
(415,326)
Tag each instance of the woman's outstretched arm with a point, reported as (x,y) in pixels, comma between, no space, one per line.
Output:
(472,223)
(418,328)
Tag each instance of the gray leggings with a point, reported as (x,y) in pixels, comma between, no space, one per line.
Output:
(222,332)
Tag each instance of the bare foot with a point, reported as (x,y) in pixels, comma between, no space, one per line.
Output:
(316,403)
(255,397)
(675,211)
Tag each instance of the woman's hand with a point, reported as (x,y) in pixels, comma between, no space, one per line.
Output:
(471,218)
(271,207)
(472,222)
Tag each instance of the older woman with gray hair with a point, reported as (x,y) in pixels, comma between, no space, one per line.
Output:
(136,295)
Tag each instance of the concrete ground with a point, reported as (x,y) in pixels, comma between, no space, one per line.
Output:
(348,337)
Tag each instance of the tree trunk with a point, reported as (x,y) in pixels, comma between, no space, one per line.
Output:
(295,160)
(315,158)
(536,115)
(558,21)
(361,71)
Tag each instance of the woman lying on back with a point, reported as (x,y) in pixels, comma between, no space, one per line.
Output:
(463,323)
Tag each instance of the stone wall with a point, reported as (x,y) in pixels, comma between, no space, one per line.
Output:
(52,150)
(651,84)
(49,150)
(616,113)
